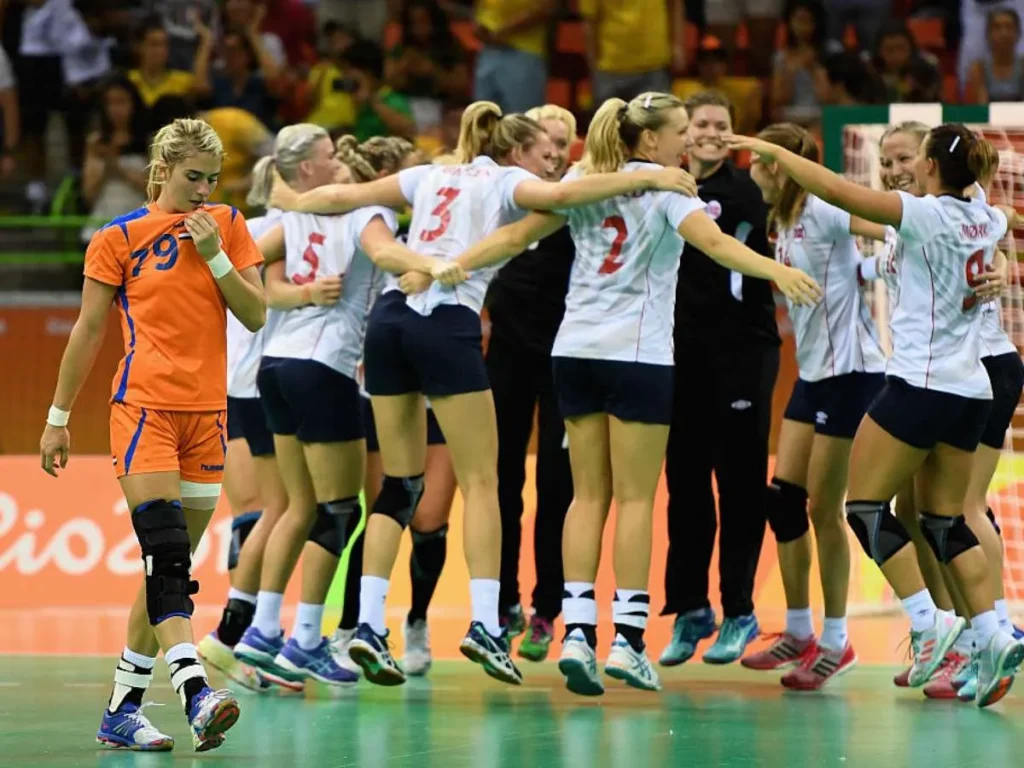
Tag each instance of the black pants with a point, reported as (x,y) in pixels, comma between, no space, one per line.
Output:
(720,423)
(521,381)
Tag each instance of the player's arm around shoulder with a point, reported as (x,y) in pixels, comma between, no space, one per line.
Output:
(225,244)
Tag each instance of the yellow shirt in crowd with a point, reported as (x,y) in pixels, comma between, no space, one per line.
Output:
(333,107)
(174,82)
(495,14)
(245,139)
(632,35)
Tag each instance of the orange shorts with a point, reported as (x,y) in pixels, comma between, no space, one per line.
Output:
(191,443)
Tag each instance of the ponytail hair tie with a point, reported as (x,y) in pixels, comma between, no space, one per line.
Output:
(647,101)
(953,145)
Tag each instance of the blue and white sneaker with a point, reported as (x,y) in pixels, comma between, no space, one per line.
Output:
(257,649)
(578,663)
(210,715)
(633,668)
(492,653)
(1018,633)
(733,638)
(370,651)
(318,663)
(689,629)
(128,728)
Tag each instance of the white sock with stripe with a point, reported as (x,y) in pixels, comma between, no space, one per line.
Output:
(630,610)
(187,675)
(132,677)
(579,609)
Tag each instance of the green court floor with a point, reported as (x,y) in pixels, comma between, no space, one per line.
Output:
(723,717)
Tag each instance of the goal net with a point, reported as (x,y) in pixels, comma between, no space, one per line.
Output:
(859,142)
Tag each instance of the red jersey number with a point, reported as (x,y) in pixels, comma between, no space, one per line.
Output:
(447,195)
(610,266)
(972,270)
(309,257)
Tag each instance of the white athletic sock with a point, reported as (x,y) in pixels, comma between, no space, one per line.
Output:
(965,643)
(921,609)
(373,594)
(306,631)
(799,623)
(985,625)
(483,594)
(245,597)
(267,618)
(1003,612)
(133,672)
(578,603)
(187,675)
(834,636)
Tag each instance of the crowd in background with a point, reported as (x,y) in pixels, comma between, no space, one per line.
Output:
(114,69)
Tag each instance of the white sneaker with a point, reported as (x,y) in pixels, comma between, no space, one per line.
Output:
(417,659)
(339,644)
(633,668)
(932,645)
(578,663)
(998,663)
(222,658)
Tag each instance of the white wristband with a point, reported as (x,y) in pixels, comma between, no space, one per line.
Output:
(220,265)
(57,418)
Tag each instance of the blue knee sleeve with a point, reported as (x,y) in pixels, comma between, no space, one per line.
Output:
(241,527)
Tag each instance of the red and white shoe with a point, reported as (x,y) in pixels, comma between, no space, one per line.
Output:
(902,680)
(785,653)
(825,665)
(941,685)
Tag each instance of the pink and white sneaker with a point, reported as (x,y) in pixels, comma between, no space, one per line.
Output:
(816,671)
(785,653)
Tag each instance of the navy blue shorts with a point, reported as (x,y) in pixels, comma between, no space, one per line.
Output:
(246,419)
(923,418)
(310,400)
(440,354)
(629,391)
(836,405)
(1006,372)
(434,434)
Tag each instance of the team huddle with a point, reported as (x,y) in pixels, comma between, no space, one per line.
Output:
(354,363)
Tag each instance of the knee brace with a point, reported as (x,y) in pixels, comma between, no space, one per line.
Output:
(949,537)
(992,519)
(241,527)
(877,529)
(167,553)
(787,510)
(335,521)
(398,498)
(429,551)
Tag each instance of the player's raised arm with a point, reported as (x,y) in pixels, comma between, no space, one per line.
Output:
(504,243)
(593,188)
(338,198)
(379,243)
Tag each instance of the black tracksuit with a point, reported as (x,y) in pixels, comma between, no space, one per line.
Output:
(526,302)
(727,359)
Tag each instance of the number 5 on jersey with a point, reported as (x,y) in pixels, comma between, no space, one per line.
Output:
(610,266)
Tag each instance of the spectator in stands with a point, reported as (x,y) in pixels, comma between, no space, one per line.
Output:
(974,16)
(248,17)
(511,69)
(867,17)
(367,18)
(331,105)
(179,18)
(428,64)
(85,62)
(250,78)
(294,22)
(10,117)
(999,74)
(762,20)
(379,109)
(632,46)
(153,77)
(794,96)
(909,75)
(114,174)
(746,94)
(846,79)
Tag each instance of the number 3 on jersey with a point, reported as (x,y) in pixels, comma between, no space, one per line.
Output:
(610,266)
(972,271)
(447,195)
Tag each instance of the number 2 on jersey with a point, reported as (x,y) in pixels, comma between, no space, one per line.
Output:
(972,270)
(610,266)
(447,195)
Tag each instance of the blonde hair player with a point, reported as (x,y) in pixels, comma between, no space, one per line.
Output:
(430,345)
(172,268)
(937,399)
(613,364)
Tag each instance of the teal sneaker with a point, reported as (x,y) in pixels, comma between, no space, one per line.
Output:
(733,638)
(689,629)
(968,680)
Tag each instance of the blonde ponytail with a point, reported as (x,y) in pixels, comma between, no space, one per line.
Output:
(262,182)
(478,123)
(604,151)
(293,145)
(375,157)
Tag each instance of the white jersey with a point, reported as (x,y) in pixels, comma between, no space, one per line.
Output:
(245,348)
(994,339)
(837,335)
(622,287)
(324,246)
(936,325)
(453,208)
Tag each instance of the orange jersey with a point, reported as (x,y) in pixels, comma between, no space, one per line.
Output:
(173,315)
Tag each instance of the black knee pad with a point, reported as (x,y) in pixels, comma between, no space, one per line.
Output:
(992,519)
(787,510)
(398,498)
(335,521)
(241,527)
(422,537)
(877,529)
(167,554)
(949,537)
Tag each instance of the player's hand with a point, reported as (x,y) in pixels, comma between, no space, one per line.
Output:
(990,284)
(673,180)
(448,272)
(414,282)
(766,151)
(798,286)
(281,195)
(325,291)
(205,233)
(54,447)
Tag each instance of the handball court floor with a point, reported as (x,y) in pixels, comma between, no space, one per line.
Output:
(50,705)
